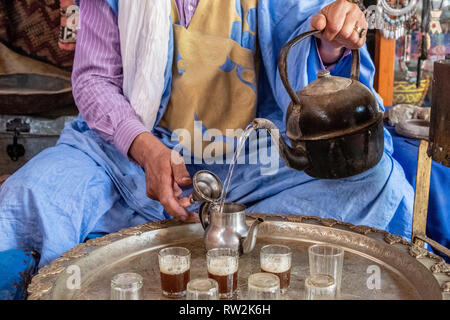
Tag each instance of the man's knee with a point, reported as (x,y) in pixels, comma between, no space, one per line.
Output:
(56,173)
(53,198)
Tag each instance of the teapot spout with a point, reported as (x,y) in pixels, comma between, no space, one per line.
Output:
(296,159)
(248,244)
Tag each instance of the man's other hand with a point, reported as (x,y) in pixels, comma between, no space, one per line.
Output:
(165,173)
(344,25)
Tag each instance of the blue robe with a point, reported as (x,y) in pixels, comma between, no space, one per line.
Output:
(85,185)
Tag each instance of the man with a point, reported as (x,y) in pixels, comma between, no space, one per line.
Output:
(147,76)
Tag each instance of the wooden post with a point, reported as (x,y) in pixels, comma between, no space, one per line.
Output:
(422,193)
(439,147)
(384,64)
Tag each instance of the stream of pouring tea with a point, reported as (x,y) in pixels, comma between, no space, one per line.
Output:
(241,143)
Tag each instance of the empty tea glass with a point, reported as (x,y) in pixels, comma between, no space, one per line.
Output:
(127,286)
(175,267)
(320,287)
(326,259)
(263,286)
(202,289)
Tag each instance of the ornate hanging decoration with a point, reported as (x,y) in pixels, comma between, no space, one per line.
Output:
(435,17)
(389,20)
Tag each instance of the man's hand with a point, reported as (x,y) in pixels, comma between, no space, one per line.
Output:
(339,21)
(165,172)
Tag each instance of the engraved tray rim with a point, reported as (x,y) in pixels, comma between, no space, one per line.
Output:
(429,265)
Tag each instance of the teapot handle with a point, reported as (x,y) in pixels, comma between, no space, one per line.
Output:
(283,63)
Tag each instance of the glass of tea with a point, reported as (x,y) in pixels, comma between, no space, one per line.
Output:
(223,264)
(127,286)
(202,289)
(320,287)
(277,259)
(175,267)
(327,259)
(263,286)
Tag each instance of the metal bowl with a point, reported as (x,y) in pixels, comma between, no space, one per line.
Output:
(413,128)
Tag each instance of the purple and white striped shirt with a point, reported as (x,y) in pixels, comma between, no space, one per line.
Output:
(97,74)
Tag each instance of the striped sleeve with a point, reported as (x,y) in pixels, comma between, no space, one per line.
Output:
(97,77)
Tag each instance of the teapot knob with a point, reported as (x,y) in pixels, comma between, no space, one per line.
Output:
(323,74)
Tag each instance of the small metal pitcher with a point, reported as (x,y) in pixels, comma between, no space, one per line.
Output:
(226,229)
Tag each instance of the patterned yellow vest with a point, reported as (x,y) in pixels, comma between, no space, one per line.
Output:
(214,77)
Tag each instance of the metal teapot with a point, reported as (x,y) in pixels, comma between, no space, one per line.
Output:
(334,124)
(226,229)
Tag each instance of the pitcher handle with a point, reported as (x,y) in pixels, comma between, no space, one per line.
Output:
(283,63)
(203,214)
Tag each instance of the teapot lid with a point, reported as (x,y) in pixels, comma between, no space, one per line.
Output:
(325,84)
(207,187)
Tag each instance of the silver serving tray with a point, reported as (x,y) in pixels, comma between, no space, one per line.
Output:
(407,271)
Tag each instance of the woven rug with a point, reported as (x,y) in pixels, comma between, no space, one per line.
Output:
(32,28)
